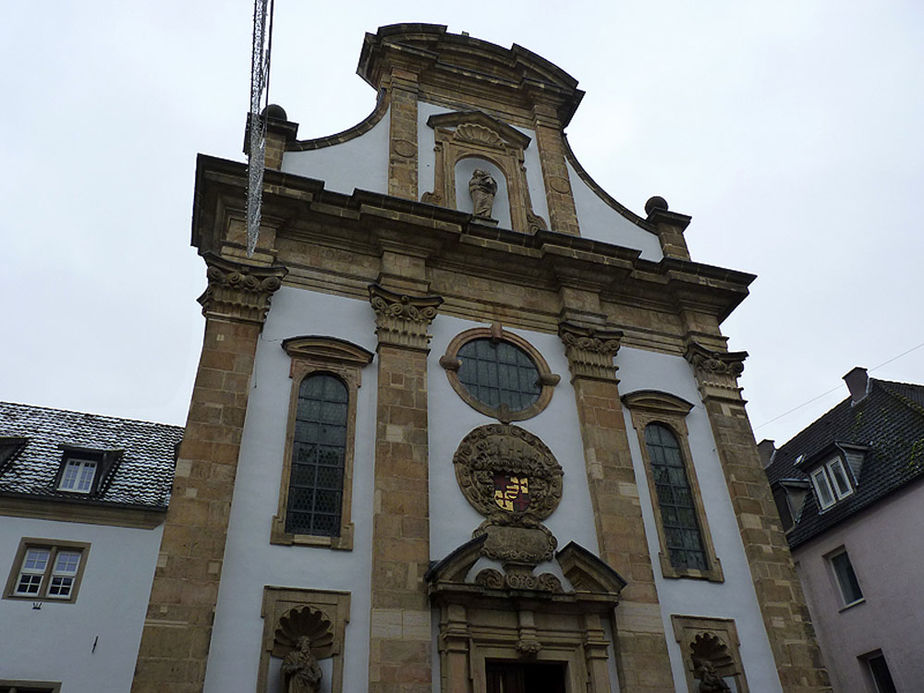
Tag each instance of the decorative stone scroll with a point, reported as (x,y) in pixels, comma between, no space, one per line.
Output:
(590,352)
(403,320)
(716,371)
(237,291)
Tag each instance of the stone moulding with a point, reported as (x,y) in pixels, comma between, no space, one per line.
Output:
(451,363)
(467,134)
(402,320)
(237,291)
(590,352)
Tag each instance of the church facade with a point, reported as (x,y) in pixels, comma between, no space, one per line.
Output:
(463,422)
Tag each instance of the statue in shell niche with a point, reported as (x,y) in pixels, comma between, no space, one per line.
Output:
(512,478)
(304,635)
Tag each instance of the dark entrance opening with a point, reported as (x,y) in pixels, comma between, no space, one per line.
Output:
(514,677)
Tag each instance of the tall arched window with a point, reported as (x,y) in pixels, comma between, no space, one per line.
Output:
(318,455)
(682,533)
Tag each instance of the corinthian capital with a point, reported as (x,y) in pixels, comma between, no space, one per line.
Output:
(237,291)
(707,362)
(402,320)
(590,352)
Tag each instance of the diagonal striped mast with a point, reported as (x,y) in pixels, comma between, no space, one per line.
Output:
(259,92)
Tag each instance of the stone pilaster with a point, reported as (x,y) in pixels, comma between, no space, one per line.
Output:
(400,645)
(402,148)
(779,593)
(562,214)
(641,648)
(177,631)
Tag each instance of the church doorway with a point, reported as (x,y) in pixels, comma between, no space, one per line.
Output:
(515,677)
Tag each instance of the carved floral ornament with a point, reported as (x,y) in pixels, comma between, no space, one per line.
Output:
(239,291)
(403,320)
(727,363)
(590,352)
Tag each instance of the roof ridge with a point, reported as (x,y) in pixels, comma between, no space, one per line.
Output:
(87,413)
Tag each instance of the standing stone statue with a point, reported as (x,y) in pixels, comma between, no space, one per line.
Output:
(300,670)
(482,187)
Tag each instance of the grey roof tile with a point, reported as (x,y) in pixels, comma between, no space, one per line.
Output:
(890,420)
(143,477)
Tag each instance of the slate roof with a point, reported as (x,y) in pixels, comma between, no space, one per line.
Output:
(890,420)
(142,477)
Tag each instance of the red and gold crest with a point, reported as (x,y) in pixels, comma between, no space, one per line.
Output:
(511,493)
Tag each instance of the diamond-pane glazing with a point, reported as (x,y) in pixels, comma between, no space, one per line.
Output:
(319,448)
(678,514)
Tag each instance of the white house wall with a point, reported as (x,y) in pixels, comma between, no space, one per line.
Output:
(251,562)
(735,597)
(56,642)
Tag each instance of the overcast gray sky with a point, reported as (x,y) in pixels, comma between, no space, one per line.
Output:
(790,130)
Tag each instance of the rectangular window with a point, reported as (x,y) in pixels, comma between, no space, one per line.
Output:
(879,673)
(839,478)
(29,687)
(846,578)
(77,475)
(822,488)
(45,570)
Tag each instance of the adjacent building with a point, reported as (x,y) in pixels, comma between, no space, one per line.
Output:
(462,421)
(850,492)
(82,499)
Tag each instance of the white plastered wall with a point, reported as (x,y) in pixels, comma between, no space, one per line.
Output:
(600,222)
(360,163)
(56,642)
(251,562)
(735,597)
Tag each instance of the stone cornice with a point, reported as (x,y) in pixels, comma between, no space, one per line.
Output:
(402,320)
(239,292)
(590,352)
(453,245)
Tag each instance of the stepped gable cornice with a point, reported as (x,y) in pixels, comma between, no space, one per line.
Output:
(465,65)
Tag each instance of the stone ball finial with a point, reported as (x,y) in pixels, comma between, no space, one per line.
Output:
(275,111)
(655,202)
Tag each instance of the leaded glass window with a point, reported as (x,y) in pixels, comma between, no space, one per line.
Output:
(678,512)
(498,373)
(318,453)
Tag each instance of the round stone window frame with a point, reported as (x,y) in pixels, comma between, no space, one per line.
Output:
(496,333)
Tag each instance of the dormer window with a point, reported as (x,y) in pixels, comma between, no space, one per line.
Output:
(86,470)
(78,475)
(831,483)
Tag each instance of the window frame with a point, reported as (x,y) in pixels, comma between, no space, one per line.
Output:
(30,686)
(830,558)
(829,467)
(873,680)
(314,355)
(648,407)
(821,474)
(547,380)
(55,547)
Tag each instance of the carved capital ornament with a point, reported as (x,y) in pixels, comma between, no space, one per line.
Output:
(402,320)
(237,291)
(716,371)
(590,352)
